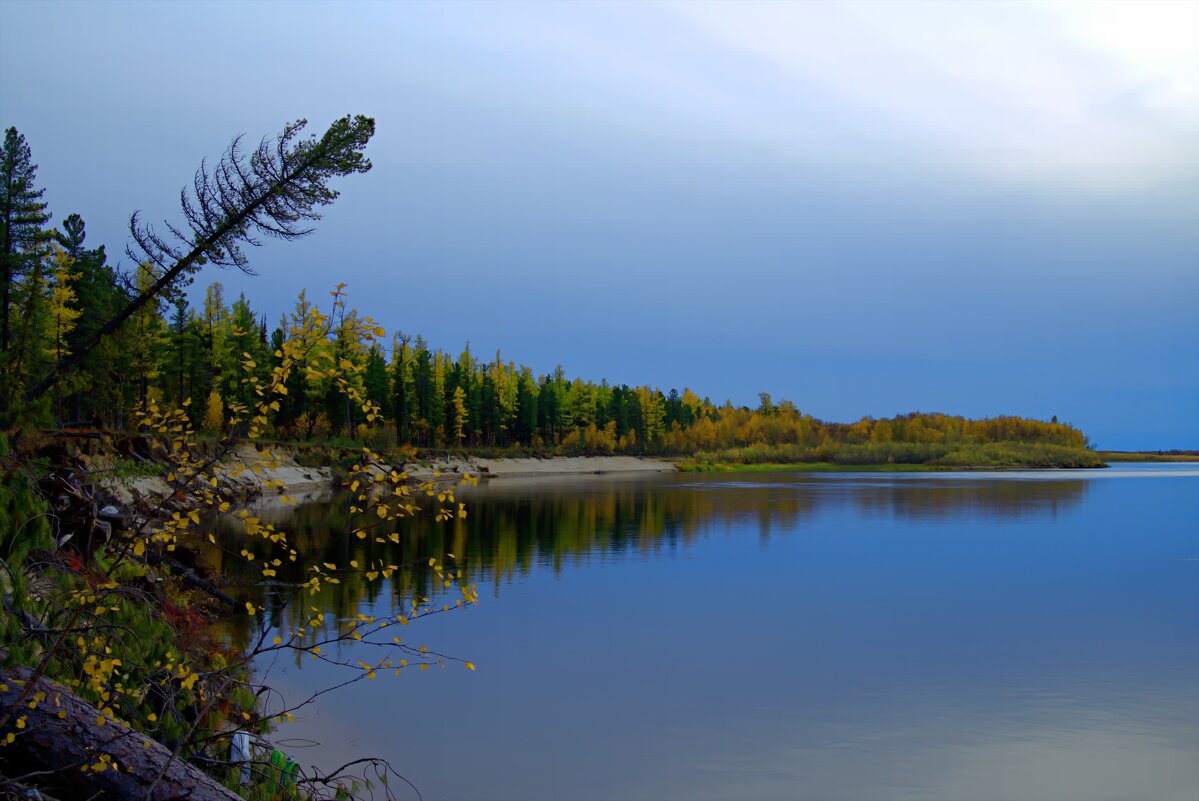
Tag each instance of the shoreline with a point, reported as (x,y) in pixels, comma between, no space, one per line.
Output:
(887,467)
(255,477)
(249,476)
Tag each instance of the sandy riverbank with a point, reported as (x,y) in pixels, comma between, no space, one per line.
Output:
(248,474)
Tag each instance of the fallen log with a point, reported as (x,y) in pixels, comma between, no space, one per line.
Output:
(59,753)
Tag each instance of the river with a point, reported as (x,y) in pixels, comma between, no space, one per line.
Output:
(787,636)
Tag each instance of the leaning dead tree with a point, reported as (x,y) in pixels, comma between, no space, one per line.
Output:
(274,192)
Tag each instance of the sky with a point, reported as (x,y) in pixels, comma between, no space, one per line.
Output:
(867,208)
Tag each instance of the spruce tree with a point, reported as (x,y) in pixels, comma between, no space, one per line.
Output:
(22,215)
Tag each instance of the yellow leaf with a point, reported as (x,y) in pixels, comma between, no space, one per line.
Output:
(470,665)
(249,607)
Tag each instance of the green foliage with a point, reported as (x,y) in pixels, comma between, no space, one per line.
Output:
(25,523)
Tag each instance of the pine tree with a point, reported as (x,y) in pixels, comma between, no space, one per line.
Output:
(22,215)
(403,386)
(97,297)
(26,357)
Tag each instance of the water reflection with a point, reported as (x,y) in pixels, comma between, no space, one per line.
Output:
(790,636)
(516,526)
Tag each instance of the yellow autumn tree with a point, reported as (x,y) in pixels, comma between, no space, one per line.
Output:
(63,313)
(459,415)
(214,413)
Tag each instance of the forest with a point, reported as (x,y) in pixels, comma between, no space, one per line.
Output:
(59,292)
(106,613)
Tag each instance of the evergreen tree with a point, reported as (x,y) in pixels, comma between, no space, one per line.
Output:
(26,356)
(22,215)
(375,381)
(403,387)
(71,237)
(181,352)
(97,297)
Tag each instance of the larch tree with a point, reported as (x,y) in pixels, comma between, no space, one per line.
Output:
(63,311)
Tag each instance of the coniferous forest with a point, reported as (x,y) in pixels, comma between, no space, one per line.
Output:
(59,291)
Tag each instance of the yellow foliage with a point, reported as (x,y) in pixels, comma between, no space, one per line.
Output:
(214,413)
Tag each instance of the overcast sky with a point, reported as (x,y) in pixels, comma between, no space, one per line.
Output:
(867,208)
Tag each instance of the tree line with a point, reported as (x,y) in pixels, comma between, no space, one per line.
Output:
(58,292)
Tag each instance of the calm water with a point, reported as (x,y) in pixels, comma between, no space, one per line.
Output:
(792,636)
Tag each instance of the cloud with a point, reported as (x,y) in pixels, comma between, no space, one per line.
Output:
(1089,95)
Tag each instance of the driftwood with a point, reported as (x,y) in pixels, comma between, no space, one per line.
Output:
(50,752)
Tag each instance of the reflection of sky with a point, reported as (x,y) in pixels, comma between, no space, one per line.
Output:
(868,208)
(854,655)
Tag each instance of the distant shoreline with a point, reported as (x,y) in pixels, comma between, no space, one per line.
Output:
(291,471)
(832,467)
(1149,456)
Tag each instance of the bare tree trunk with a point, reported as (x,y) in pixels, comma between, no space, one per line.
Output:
(58,749)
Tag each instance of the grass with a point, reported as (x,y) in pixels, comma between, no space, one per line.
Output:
(691,466)
(1149,456)
(897,456)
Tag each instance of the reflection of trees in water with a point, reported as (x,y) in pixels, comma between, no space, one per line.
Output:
(992,498)
(514,528)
